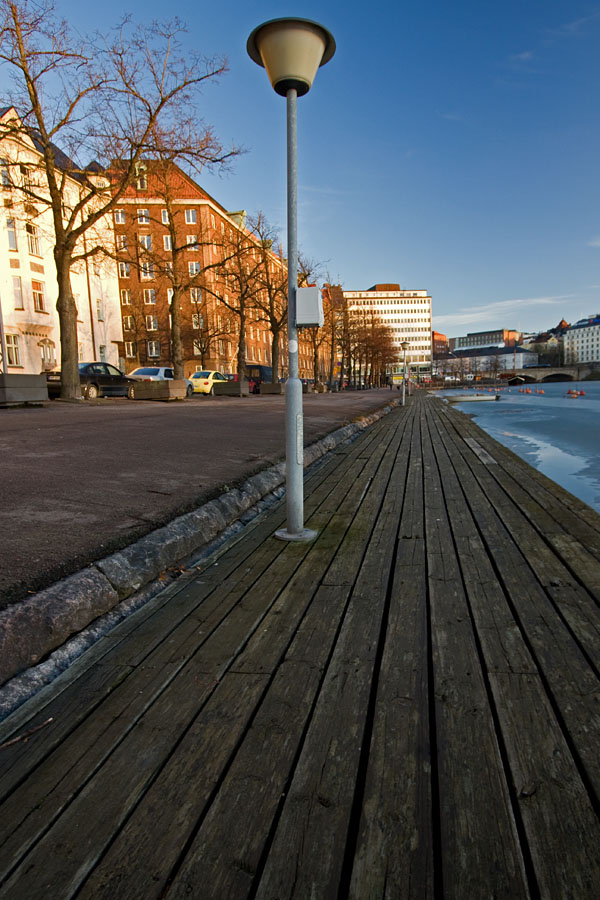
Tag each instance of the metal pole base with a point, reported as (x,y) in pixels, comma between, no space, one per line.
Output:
(305,535)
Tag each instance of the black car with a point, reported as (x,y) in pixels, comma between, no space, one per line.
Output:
(98,379)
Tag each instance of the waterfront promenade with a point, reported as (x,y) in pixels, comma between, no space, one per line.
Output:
(406,708)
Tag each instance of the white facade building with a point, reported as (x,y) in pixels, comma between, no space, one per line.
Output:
(582,341)
(28,286)
(407,313)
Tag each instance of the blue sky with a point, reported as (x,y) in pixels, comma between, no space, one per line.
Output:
(446,146)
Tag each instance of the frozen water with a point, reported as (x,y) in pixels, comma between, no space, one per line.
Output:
(558,435)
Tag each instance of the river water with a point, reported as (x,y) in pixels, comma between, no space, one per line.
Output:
(558,435)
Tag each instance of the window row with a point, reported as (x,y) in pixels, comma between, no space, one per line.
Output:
(37,292)
(145,241)
(147,270)
(142,216)
(149,295)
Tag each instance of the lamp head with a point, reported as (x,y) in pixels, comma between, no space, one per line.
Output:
(291,50)
(405,345)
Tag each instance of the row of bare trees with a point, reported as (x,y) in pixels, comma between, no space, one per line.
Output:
(109,101)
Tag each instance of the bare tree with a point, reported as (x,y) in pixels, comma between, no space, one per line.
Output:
(271,299)
(114,100)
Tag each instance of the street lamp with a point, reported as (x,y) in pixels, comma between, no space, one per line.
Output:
(405,345)
(291,50)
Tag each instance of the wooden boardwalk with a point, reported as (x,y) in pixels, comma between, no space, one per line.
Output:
(406,708)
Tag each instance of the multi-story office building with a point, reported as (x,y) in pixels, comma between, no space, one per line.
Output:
(170,233)
(28,286)
(502,337)
(407,313)
(582,341)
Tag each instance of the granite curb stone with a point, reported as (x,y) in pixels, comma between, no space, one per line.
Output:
(33,628)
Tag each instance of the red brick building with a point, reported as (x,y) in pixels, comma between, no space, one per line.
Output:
(176,242)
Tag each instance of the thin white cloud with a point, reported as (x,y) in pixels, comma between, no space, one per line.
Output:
(451,117)
(595,242)
(575,27)
(497,310)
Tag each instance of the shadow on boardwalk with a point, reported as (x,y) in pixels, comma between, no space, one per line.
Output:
(407,707)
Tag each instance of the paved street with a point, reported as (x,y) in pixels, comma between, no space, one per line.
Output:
(83,480)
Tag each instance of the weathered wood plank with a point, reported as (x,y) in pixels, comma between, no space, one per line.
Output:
(393,856)
(478,834)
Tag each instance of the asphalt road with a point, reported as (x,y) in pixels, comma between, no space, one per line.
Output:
(80,481)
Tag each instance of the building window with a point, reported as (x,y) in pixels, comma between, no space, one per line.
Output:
(167,242)
(103,352)
(196,295)
(99,311)
(190,217)
(125,297)
(197,320)
(141,181)
(18,292)
(33,239)
(149,295)
(170,293)
(147,270)
(145,241)
(192,242)
(130,349)
(194,268)
(121,242)
(124,270)
(13,351)
(119,216)
(26,183)
(151,323)
(128,323)
(165,216)
(154,349)
(38,295)
(12,234)
(5,181)
(143,216)
(197,352)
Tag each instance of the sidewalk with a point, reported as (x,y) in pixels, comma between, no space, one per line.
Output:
(407,707)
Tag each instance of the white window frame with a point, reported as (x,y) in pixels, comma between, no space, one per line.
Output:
(121,241)
(124,270)
(18,292)
(167,242)
(151,323)
(143,216)
(146,271)
(128,323)
(164,214)
(149,296)
(130,349)
(38,293)
(119,216)
(192,242)
(196,295)
(13,350)
(153,349)
(33,239)
(11,227)
(145,241)
(194,268)
(197,321)
(125,297)
(191,217)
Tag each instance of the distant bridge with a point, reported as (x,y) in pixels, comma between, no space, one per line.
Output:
(539,374)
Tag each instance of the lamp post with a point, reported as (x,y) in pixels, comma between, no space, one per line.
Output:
(291,50)
(405,345)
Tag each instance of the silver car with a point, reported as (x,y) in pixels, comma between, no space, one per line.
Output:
(159,373)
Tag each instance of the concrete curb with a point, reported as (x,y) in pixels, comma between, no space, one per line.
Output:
(38,625)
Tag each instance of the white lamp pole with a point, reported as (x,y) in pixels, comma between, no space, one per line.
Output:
(405,345)
(291,50)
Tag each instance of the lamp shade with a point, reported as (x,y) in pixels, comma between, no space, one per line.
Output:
(291,50)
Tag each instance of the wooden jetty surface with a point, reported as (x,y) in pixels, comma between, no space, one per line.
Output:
(406,708)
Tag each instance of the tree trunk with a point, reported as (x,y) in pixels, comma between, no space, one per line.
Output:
(67,316)
(176,344)
(241,354)
(274,357)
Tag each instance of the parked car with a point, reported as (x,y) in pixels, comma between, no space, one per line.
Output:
(204,381)
(97,379)
(159,373)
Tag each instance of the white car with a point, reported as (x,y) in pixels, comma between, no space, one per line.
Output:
(159,373)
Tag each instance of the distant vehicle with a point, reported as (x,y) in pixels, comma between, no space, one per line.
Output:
(159,373)
(204,382)
(256,376)
(97,379)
